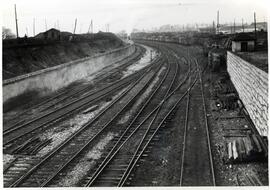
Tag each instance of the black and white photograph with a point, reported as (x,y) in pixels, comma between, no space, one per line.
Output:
(135,93)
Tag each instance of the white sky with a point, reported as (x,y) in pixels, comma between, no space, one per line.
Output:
(126,14)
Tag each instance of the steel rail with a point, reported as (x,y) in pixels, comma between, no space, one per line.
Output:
(185,135)
(89,94)
(154,110)
(74,92)
(124,133)
(109,156)
(68,111)
(80,90)
(207,127)
(106,76)
(128,169)
(156,130)
(27,174)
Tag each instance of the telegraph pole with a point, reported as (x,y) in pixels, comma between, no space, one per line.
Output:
(255,30)
(26,29)
(91,26)
(16,20)
(234,26)
(75,26)
(243,29)
(218,22)
(255,24)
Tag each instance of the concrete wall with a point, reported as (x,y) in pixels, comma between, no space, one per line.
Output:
(251,84)
(53,78)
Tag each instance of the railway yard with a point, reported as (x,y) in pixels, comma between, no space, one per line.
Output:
(147,120)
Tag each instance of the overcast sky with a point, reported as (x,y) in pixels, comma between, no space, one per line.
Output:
(126,14)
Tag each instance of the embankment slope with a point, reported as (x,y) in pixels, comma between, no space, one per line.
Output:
(20,59)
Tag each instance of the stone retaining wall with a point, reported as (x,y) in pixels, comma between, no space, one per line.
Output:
(54,78)
(251,84)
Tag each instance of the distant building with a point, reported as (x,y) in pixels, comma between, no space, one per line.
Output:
(52,34)
(261,26)
(243,42)
(207,30)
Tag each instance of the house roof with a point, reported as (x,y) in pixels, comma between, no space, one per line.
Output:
(52,29)
(243,37)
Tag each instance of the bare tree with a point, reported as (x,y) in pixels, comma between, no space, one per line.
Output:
(7,33)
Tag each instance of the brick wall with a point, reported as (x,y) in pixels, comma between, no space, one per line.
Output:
(251,84)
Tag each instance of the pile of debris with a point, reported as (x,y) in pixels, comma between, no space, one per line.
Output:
(245,149)
(225,94)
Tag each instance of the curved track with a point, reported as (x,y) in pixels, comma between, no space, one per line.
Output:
(120,157)
(57,159)
(19,133)
(68,94)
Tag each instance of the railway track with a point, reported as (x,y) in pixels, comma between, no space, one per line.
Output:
(116,162)
(196,147)
(41,172)
(196,144)
(17,133)
(123,131)
(132,138)
(68,94)
(114,170)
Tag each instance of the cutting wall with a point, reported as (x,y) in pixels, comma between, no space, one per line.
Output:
(54,78)
(251,84)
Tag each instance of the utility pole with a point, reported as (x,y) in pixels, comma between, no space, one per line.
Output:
(255,25)
(26,29)
(16,20)
(243,29)
(218,22)
(75,26)
(234,26)
(91,26)
(34,27)
(255,32)
(214,27)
